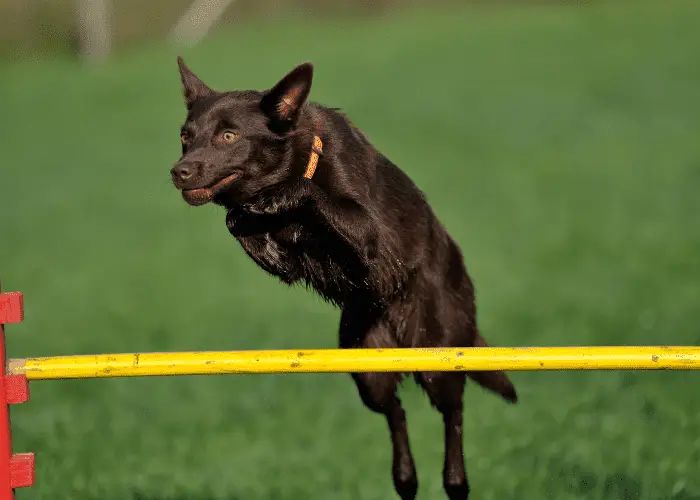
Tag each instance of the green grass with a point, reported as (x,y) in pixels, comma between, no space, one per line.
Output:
(559,146)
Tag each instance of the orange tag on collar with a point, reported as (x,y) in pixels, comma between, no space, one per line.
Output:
(316,151)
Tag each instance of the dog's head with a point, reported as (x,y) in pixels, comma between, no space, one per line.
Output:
(235,143)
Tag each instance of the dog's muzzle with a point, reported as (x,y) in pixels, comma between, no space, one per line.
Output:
(185,176)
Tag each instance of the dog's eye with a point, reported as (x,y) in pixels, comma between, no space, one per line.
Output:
(183,138)
(229,136)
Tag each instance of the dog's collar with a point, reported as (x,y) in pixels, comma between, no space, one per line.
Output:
(316,151)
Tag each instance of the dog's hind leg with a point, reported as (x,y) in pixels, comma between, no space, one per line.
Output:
(445,390)
(379,393)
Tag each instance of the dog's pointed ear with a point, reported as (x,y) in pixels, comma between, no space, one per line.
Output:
(283,102)
(192,87)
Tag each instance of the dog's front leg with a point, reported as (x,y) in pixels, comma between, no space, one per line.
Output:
(363,233)
(352,222)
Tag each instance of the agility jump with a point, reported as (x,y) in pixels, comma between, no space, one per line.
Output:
(17,470)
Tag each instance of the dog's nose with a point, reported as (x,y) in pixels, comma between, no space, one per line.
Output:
(182,172)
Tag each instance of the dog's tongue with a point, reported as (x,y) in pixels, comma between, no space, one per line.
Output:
(205,195)
(198,196)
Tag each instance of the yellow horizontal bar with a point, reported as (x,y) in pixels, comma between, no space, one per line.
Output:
(359,360)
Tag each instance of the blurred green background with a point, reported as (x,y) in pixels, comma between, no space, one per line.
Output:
(558,142)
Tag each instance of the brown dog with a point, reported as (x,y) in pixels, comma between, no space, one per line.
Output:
(312,201)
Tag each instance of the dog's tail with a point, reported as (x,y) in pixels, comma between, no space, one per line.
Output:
(495,381)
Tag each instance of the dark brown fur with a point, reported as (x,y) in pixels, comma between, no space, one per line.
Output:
(359,232)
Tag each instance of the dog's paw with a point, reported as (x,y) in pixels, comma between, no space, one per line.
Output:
(277,202)
(256,208)
(251,208)
(265,207)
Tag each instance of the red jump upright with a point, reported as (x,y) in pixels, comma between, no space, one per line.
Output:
(16,470)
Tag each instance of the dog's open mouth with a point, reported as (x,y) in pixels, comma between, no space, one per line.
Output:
(201,196)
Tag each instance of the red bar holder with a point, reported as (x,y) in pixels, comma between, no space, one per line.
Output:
(22,470)
(16,469)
